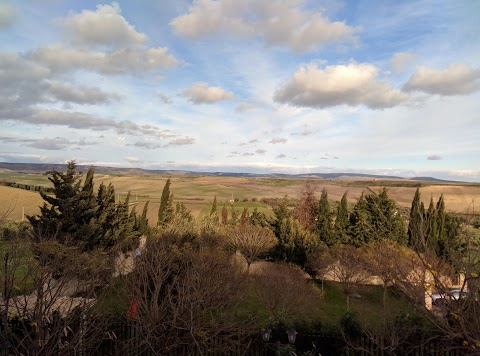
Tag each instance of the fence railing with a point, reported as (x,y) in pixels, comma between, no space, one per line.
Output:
(124,338)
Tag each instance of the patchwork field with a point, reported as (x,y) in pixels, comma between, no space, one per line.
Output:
(198,192)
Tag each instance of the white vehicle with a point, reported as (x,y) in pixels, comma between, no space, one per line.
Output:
(439,298)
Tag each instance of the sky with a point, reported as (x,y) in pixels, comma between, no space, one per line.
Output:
(261,86)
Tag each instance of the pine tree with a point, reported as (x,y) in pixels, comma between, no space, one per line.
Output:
(59,210)
(341,221)
(77,216)
(258,219)
(360,229)
(165,211)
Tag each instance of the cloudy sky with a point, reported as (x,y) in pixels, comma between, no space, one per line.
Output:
(289,86)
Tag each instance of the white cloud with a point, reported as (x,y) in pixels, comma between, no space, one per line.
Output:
(278,140)
(282,23)
(105,26)
(201,93)
(80,94)
(400,61)
(352,84)
(59,58)
(244,106)
(456,79)
(280,156)
(134,160)
(434,158)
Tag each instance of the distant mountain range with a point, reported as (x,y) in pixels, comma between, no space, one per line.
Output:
(45,167)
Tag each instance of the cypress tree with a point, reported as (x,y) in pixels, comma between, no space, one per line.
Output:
(323,223)
(244,217)
(416,223)
(142,222)
(165,211)
(341,221)
(224,215)
(213,210)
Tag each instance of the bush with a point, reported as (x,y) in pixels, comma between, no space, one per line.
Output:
(350,325)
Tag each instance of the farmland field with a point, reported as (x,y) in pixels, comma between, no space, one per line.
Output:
(197,192)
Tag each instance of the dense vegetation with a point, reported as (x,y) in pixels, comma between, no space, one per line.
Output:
(87,260)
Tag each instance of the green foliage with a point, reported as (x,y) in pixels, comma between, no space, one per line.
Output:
(214,206)
(376,217)
(341,221)
(165,211)
(295,243)
(142,222)
(258,219)
(433,229)
(350,325)
(75,215)
(323,220)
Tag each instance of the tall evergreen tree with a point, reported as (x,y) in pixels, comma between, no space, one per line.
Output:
(323,220)
(213,210)
(341,221)
(75,215)
(258,219)
(244,217)
(224,215)
(165,211)
(360,229)
(416,224)
(142,222)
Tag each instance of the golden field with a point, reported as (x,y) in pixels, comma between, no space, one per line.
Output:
(197,192)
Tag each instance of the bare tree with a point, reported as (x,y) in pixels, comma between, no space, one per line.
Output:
(252,242)
(47,299)
(284,290)
(186,297)
(348,268)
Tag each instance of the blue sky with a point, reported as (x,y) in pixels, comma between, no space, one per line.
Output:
(287,86)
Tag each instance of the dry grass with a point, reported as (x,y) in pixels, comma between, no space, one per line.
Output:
(15,200)
(197,192)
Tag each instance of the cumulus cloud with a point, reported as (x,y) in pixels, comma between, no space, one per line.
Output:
(281,155)
(201,93)
(244,106)
(434,158)
(80,94)
(105,26)
(400,61)
(352,84)
(59,58)
(182,141)
(260,151)
(6,15)
(282,23)
(278,140)
(456,79)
